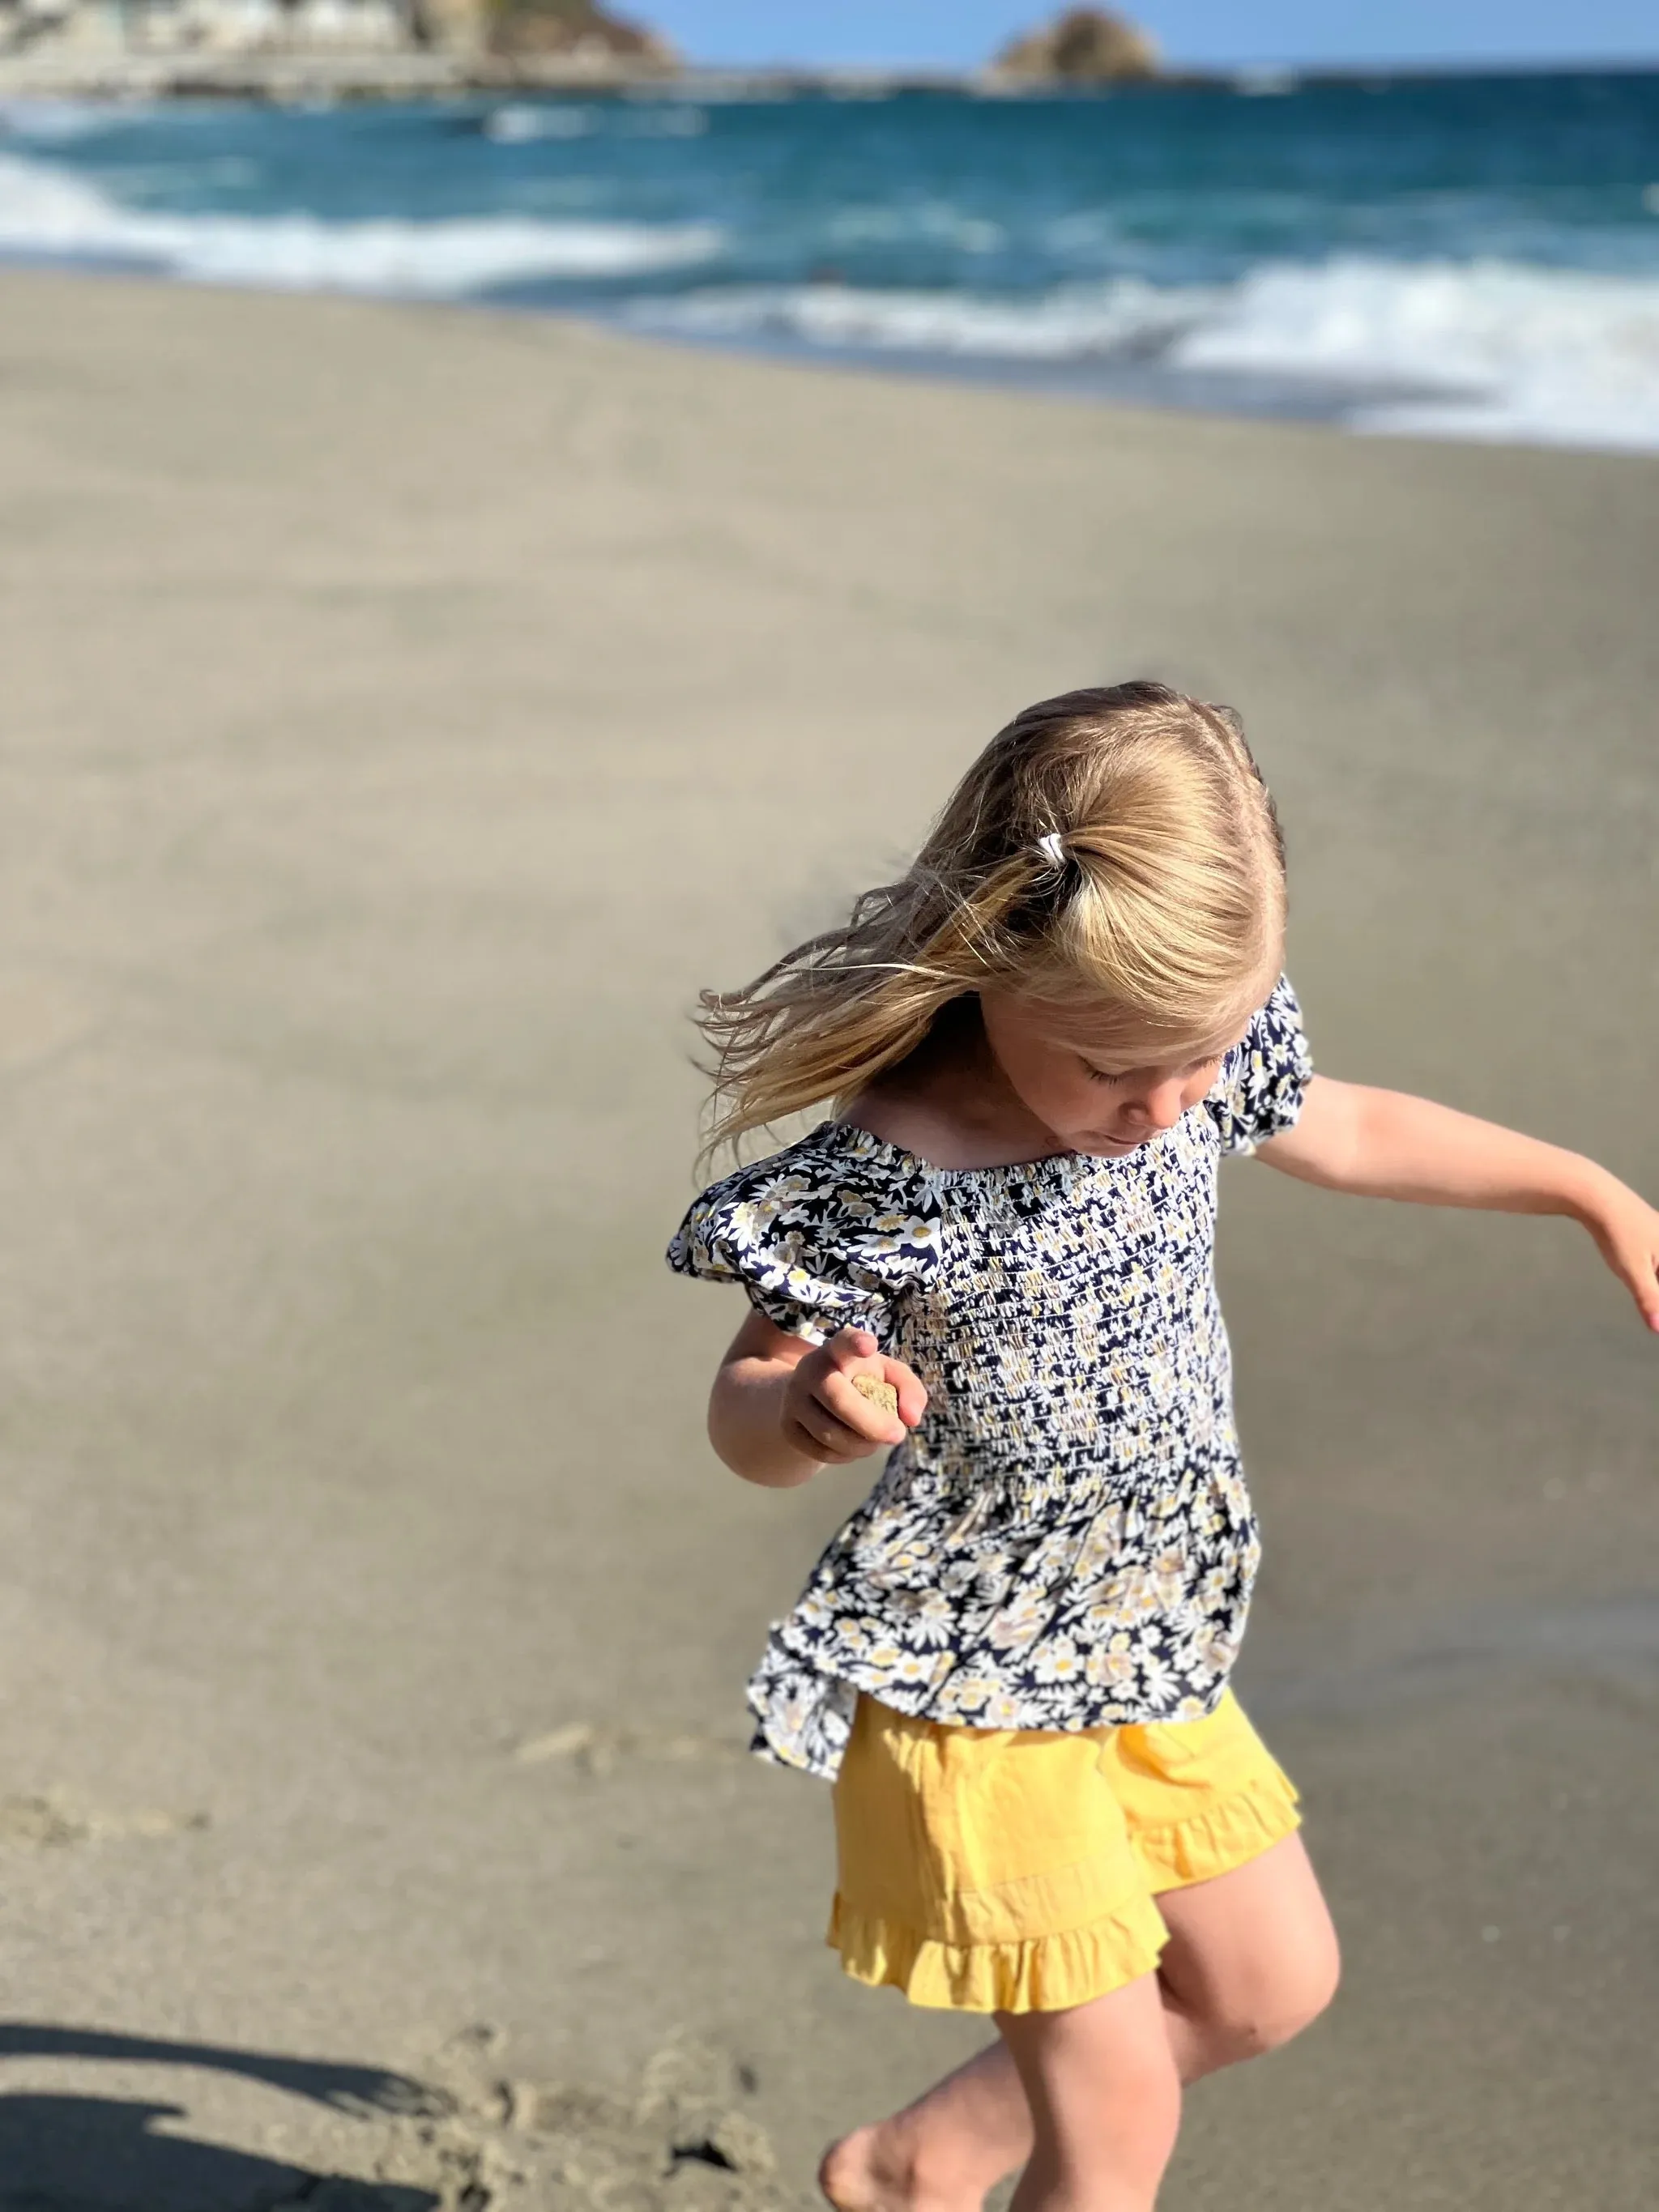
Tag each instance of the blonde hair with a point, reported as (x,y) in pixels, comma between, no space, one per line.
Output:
(1113,849)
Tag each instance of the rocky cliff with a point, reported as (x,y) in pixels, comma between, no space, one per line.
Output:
(577,32)
(1085,45)
(577,29)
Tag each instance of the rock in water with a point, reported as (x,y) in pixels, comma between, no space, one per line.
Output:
(877,1392)
(1085,45)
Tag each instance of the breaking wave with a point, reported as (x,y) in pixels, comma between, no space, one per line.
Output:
(1484,349)
(46,214)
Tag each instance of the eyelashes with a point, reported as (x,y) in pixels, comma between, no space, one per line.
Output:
(1196,1067)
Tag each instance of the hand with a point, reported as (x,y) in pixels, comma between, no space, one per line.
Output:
(824,1417)
(1626,1228)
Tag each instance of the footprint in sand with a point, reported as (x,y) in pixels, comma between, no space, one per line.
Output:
(47,1822)
(593,1748)
(680,2142)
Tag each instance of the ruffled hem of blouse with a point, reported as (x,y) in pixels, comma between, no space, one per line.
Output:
(803,1717)
(803,1713)
(1232,1834)
(1045,1973)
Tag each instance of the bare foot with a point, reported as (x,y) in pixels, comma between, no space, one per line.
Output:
(942,2153)
(875,2169)
(866,2172)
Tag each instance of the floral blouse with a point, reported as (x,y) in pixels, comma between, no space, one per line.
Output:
(1065,1542)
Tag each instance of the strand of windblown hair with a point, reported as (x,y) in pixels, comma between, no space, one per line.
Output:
(836,1011)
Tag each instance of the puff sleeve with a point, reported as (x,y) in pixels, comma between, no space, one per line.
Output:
(821,1238)
(1264,1078)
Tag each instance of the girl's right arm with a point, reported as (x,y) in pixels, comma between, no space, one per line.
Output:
(781,1409)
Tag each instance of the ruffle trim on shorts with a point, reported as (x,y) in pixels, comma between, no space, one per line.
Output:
(1046,1973)
(1230,1834)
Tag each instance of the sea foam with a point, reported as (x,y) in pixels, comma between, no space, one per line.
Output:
(1483,349)
(47,214)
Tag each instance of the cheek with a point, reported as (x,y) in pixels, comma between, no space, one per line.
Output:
(1048,1085)
(1066,1100)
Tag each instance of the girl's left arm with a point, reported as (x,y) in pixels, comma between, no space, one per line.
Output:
(1384,1144)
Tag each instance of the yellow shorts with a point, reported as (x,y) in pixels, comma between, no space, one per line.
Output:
(988,1870)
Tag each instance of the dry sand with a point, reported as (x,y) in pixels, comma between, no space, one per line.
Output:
(404,712)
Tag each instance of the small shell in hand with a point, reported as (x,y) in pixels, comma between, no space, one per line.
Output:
(877,1392)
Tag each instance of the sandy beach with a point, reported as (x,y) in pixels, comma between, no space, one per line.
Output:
(405,711)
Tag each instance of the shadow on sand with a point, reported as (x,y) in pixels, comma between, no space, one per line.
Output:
(60,2152)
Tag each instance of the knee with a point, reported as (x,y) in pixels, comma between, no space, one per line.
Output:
(1266,2017)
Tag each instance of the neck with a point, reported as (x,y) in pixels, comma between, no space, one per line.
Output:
(950,1102)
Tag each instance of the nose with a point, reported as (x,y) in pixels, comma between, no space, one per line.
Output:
(1161,1107)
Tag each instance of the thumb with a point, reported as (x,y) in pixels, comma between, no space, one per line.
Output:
(848,1346)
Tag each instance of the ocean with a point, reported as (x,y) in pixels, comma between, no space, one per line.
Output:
(1471,256)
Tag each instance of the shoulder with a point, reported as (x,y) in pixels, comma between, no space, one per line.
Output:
(823,1235)
(905,1122)
(1276,1031)
(1259,1091)
(838,1162)
(841,1189)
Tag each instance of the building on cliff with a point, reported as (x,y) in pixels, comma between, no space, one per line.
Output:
(576,34)
(204,27)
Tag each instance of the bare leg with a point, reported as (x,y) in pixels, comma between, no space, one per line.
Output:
(1104,2098)
(1251,1959)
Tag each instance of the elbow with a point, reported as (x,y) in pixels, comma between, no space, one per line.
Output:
(723,1438)
(765,1462)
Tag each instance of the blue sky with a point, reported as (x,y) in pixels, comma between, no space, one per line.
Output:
(959,33)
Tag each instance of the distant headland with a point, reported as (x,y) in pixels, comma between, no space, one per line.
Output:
(1085,45)
(398,49)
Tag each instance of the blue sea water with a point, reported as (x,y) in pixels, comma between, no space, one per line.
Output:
(1464,256)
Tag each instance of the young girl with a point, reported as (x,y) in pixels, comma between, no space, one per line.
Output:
(1012,1661)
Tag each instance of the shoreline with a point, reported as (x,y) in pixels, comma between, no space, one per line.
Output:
(1215,396)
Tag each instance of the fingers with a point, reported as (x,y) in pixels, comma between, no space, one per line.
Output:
(857,1352)
(816,1435)
(855,1411)
(1627,1235)
(1638,1265)
(912,1391)
(828,1410)
(1640,1282)
(1644,1289)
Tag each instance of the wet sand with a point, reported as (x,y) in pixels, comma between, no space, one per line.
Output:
(404,712)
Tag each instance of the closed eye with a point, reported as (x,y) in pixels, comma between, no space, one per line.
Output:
(1112,1075)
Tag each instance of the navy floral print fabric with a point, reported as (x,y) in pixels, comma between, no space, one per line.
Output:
(1065,1542)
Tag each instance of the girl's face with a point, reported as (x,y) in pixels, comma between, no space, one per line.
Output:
(1095,1099)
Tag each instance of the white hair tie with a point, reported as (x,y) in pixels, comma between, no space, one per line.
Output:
(1053,848)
